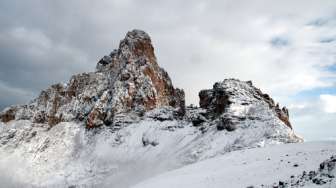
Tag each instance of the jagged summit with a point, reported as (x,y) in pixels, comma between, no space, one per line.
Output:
(139,44)
(136,47)
(127,80)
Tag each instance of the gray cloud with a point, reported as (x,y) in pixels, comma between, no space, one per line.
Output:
(197,42)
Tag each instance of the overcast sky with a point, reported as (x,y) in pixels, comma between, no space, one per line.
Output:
(287,47)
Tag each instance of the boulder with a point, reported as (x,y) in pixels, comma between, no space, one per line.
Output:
(8,114)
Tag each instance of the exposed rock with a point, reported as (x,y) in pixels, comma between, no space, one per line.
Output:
(162,114)
(146,141)
(328,167)
(129,79)
(233,95)
(40,117)
(283,115)
(198,120)
(8,114)
(324,175)
(227,123)
(215,100)
(196,115)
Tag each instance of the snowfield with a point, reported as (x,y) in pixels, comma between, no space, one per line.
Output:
(252,167)
(68,154)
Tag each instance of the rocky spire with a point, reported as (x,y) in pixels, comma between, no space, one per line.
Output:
(127,80)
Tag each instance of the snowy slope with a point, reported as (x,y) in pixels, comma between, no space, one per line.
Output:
(134,147)
(69,154)
(252,167)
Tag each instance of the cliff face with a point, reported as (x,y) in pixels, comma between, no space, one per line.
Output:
(127,80)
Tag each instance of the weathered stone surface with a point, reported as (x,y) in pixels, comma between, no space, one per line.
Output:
(129,79)
(227,123)
(215,100)
(8,114)
(232,94)
(283,115)
(324,176)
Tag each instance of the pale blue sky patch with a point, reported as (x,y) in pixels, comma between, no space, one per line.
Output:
(319,22)
(328,39)
(332,68)
(314,93)
(280,42)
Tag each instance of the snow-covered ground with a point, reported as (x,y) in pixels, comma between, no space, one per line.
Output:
(251,167)
(69,154)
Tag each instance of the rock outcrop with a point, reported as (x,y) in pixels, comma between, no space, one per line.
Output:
(127,80)
(237,97)
(324,176)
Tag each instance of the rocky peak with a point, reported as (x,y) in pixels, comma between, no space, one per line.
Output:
(138,44)
(135,48)
(134,66)
(233,97)
(129,80)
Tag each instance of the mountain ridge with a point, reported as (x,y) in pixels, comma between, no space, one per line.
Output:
(127,119)
(134,59)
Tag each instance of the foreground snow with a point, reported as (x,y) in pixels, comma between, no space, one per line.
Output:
(252,167)
(69,154)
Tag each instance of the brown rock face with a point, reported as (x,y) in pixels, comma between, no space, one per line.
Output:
(8,115)
(216,100)
(127,80)
(283,115)
(137,44)
(138,52)
(145,84)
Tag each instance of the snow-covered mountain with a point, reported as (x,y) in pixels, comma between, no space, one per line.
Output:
(126,122)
